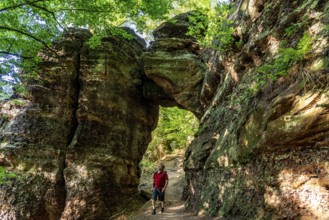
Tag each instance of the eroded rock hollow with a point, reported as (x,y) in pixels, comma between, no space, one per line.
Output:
(261,151)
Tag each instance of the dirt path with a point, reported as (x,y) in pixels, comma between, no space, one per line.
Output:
(174,207)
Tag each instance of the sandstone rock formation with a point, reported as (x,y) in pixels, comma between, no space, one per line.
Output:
(76,143)
(261,151)
(175,63)
(77,140)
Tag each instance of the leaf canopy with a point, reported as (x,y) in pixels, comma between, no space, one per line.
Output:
(27,26)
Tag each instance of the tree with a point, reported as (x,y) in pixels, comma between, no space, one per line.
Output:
(176,128)
(27,26)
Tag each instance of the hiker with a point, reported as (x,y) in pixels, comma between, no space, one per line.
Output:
(160,182)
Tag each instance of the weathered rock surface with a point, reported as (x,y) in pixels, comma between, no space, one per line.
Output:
(76,143)
(35,133)
(262,152)
(262,148)
(175,63)
(114,129)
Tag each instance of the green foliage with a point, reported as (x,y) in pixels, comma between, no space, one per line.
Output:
(286,58)
(293,29)
(278,67)
(212,27)
(4,91)
(4,95)
(27,26)
(6,177)
(175,131)
(148,166)
(17,102)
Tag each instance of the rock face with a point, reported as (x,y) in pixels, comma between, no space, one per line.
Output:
(114,124)
(77,142)
(262,149)
(35,133)
(174,62)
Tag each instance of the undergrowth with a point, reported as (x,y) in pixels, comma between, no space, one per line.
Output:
(6,177)
(286,58)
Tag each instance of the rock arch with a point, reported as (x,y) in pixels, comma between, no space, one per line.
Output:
(77,144)
(78,138)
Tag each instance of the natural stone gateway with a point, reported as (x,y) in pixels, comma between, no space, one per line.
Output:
(262,148)
(174,62)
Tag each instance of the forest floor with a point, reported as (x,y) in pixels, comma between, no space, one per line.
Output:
(174,206)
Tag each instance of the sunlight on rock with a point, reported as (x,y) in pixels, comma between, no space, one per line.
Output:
(302,189)
(274,45)
(272,197)
(226,133)
(223,161)
(75,203)
(253,8)
(301,117)
(216,136)
(201,211)
(81,170)
(6,145)
(304,101)
(315,14)
(317,65)
(50,176)
(192,189)
(314,198)
(244,5)
(206,205)
(316,28)
(320,45)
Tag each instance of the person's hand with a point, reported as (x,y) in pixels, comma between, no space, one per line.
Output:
(163,190)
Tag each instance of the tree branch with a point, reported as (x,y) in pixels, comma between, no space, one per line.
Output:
(19,5)
(15,55)
(48,11)
(27,35)
(11,43)
(84,9)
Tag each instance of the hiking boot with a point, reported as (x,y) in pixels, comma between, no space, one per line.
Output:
(162,210)
(153,212)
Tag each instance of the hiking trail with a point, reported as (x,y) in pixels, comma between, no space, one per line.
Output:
(174,207)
